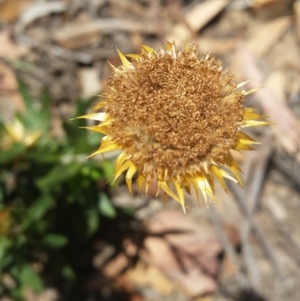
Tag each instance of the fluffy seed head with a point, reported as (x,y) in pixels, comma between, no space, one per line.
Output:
(175,115)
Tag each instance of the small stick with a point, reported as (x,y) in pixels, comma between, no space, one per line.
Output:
(253,224)
(229,250)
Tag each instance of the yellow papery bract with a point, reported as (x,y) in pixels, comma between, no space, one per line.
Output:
(120,160)
(230,163)
(147,185)
(240,146)
(221,174)
(252,116)
(205,189)
(123,167)
(100,105)
(130,173)
(245,139)
(148,49)
(99,128)
(124,60)
(133,56)
(140,182)
(169,46)
(187,45)
(166,188)
(251,91)
(249,123)
(94,116)
(242,84)
(106,146)
(179,190)
(112,66)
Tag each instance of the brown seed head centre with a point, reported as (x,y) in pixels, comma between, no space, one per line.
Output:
(174,111)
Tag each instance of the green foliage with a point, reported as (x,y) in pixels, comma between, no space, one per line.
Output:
(105,207)
(55,198)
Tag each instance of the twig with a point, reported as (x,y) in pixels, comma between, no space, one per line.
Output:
(280,221)
(229,250)
(254,182)
(253,224)
(57,51)
(288,166)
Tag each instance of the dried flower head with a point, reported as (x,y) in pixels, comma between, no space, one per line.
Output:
(175,115)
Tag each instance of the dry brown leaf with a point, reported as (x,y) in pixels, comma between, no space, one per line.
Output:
(196,19)
(76,35)
(149,275)
(9,49)
(73,36)
(116,266)
(10,98)
(276,82)
(39,10)
(277,208)
(229,267)
(257,4)
(287,126)
(187,255)
(10,10)
(268,34)
(216,46)
(48,294)
(89,82)
(297,18)
(205,298)
(269,9)
(201,14)
(128,6)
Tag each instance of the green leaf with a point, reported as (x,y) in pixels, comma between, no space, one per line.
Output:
(30,278)
(36,117)
(29,103)
(95,174)
(83,105)
(41,157)
(128,211)
(16,150)
(68,273)
(57,175)
(105,206)
(38,209)
(7,260)
(45,112)
(108,170)
(5,243)
(55,241)
(93,221)
(83,141)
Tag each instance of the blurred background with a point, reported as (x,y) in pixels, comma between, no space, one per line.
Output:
(68,233)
